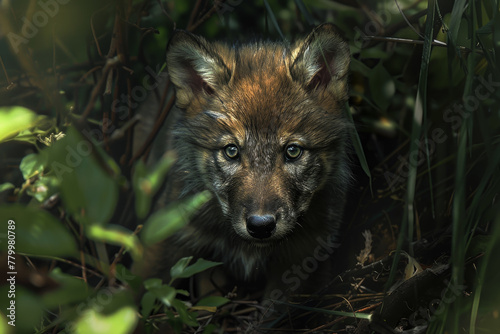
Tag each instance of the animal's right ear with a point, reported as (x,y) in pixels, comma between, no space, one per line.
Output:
(194,67)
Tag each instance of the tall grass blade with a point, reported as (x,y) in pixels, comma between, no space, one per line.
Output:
(420,109)
(273,19)
(481,277)
(456,18)
(358,147)
(302,7)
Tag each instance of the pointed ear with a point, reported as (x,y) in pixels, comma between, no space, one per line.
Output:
(195,66)
(321,61)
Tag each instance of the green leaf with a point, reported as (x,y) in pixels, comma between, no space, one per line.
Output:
(165,293)
(143,197)
(6,186)
(382,86)
(37,232)
(125,276)
(32,164)
(87,190)
(456,19)
(157,175)
(179,270)
(122,320)
(4,326)
(147,183)
(209,329)
(174,321)
(14,120)
(71,290)
(105,160)
(183,292)
(147,304)
(189,318)
(214,301)
(43,188)
(108,310)
(117,235)
(28,308)
(152,283)
(167,221)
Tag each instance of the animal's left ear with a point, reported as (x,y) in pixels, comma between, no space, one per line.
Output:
(321,61)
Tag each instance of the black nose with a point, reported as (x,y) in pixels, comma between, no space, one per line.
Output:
(261,227)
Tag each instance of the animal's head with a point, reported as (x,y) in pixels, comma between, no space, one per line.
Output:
(263,127)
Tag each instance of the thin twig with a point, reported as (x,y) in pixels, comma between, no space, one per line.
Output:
(97,88)
(194,12)
(82,255)
(155,129)
(5,71)
(203,19)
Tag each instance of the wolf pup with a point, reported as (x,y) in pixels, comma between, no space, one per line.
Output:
(261,127)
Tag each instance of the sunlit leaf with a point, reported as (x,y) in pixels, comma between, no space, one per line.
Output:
(121,321)
(4,326)
(32,164)
(165,293)
(178,268)
(181,271)
(147,182)
(152,283)
(116,235)
(143,197)
(14,120)
(43,188)
(167,221)
(6,186)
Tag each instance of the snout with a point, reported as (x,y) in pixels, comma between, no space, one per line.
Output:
(261,226)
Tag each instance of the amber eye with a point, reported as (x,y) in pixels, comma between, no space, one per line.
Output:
(231,151)
(293,152)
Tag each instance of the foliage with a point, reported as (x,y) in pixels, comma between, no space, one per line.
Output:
(424,99)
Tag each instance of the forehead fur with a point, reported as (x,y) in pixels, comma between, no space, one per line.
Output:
(260,91)
(263,100)
(272,111)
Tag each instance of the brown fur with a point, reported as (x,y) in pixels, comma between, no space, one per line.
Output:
(260,97)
